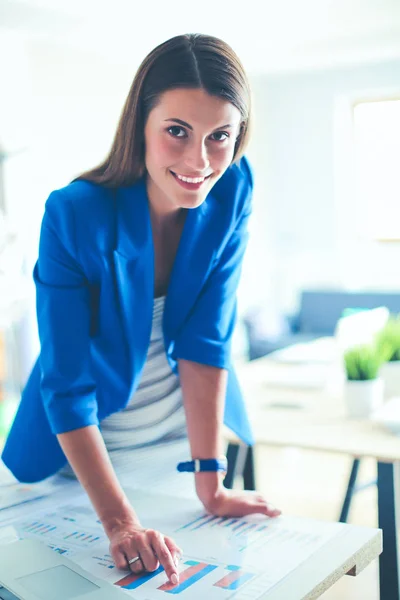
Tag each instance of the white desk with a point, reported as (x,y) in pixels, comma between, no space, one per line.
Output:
(342,548)
(315,418)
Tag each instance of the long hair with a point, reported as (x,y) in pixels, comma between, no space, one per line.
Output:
(185,61)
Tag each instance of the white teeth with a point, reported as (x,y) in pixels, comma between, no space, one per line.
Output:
(190,179)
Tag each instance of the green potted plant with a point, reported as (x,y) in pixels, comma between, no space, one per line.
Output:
(388,342)
(363,390)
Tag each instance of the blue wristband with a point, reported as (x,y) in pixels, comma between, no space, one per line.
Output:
(203,464)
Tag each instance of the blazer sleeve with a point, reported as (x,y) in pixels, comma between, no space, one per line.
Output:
(206,336)
(64,319)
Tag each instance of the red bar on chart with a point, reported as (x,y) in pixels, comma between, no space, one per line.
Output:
(194,569)
(226,581)
(128,579)
(234,579)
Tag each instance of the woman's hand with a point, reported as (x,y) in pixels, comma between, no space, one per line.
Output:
(239,503)
(223,502)
(128,539)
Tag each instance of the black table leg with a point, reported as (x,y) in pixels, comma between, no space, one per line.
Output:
(350,490)
(249,479)
(240,462)
(388,497)
(232,456)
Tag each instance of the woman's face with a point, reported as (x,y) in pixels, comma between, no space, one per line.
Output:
(189,142)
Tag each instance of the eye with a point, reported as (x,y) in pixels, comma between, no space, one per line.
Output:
(220,136)
(177,131)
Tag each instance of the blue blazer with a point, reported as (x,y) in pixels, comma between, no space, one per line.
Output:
(95,286)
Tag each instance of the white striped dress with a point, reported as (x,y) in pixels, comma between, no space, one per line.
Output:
(155,413)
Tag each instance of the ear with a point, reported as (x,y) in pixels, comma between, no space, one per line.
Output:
(242,128)
(238,143)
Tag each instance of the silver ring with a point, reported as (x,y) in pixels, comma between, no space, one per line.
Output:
(133,560)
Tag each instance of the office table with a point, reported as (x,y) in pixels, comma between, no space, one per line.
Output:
(309,580)
(349,550)
(315,418)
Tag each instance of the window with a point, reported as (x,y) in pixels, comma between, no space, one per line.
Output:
(377,168)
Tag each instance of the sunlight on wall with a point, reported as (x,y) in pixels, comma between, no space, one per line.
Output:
(377,171)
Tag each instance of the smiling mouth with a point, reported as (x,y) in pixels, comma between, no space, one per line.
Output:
(195,181)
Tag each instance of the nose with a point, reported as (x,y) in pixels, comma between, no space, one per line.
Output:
(196,156)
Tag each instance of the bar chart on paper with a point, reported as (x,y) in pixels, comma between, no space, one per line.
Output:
(197,579)
(240,558)
(66,539)
(71,532)
(224,558)
(259,541)
(241,533)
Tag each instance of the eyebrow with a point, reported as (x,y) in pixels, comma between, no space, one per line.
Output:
(180,122)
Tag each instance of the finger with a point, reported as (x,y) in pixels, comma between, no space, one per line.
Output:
(172,545)
(260,505)
(265,508)
(137,566)
(273,511)
(245,506)
(270,510)
(130,550)
(165,557)
(119,558)
(147,555)
(175,550)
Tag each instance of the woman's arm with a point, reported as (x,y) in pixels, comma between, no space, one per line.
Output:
(68,388)
(202,349)
(204,389)
(87,455)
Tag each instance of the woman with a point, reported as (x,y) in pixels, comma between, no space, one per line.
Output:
(163,219)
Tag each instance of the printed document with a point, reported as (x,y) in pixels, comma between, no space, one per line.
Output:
(224,558)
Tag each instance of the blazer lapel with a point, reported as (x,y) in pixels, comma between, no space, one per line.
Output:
(198,245)
(134,267)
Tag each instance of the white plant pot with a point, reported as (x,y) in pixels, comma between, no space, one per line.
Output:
(362,398)
(390,373)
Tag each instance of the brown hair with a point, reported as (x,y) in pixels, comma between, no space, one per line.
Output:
(184,61)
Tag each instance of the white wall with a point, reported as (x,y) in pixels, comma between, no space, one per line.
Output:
(59,119)
(298,197)
(74,104)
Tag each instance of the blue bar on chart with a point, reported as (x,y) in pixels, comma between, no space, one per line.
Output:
(231,522)
(219,522)
(192,574)
(207,521)
(39,528)
(198,523)
(235,579)
(70,535)
(82,537)
(239,526)
(188,525)
(247,529)
(59,550)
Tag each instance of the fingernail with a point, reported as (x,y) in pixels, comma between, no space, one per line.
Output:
(174,579)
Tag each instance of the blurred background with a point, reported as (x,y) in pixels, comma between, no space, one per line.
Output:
(326,83)
(325,233)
